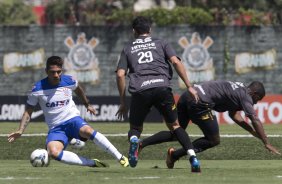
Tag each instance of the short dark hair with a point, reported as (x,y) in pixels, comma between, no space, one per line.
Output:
(142,25)
(54,60)
(257,88)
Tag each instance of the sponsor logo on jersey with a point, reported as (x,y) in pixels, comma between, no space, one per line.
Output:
(148,39)
(58,103)
(149,82)
(144,46)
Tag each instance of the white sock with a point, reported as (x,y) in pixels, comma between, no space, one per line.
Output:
(191,152)
(73,159)
(106,145)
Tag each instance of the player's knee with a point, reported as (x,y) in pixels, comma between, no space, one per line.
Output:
(173,126)
(54,153)
(55,148)
(215,142)
(86,132)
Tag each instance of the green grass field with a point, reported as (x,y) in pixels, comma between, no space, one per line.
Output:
(147,171)
(235,160)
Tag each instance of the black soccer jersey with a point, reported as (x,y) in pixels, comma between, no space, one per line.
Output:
(226,96)
(146,60)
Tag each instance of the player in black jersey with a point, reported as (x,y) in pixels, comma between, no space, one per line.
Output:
(220,96)
(147,62)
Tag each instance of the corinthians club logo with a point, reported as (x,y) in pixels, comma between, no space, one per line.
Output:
(81,61)
(197,61)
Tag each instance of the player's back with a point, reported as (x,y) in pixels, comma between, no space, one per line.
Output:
(148,63)
(224,95)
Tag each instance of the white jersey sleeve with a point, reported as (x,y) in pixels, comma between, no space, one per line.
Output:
(32,99)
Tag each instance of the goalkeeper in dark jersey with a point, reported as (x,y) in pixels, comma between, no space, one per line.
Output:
(147,62)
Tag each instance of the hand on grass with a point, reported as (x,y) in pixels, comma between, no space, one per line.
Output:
(272,149)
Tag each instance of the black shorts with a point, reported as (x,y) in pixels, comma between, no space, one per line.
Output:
(199,113)
(142,102)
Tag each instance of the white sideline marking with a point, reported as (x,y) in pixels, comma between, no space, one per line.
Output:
(7,178)
(146,135)
(144,177)
(279,176)
(13,178)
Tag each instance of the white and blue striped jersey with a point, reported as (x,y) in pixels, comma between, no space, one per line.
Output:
(55,101)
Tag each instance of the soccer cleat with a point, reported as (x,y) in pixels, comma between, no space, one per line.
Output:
(98,163)
(169,159)
(133,151)
(77,144)
(195,164)
(124,161)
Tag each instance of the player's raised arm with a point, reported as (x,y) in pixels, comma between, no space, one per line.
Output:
(23,124)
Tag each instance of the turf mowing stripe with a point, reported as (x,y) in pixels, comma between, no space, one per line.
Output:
(146,135)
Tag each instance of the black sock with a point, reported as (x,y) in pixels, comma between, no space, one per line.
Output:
(201,144)
(133,132)
(178,153)
(183,138)
(160,137)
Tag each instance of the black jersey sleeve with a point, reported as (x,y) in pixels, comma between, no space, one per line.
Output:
(247,105)
(169,51)
(122,62)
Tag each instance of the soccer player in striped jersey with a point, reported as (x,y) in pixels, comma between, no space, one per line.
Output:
(54,95)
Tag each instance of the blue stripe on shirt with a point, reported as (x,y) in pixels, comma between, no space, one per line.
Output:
(66,80)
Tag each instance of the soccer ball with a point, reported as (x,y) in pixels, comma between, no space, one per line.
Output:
(39,158)
(77,144)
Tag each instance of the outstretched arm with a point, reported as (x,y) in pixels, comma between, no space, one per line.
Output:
(177,64)
(23,124)
(80,93)
(238,119)
(257,127)
(260,131)
(121,84)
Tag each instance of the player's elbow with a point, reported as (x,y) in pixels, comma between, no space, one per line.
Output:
(120,74)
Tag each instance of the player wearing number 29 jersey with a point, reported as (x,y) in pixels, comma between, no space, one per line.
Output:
(147,61)
(55,101)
